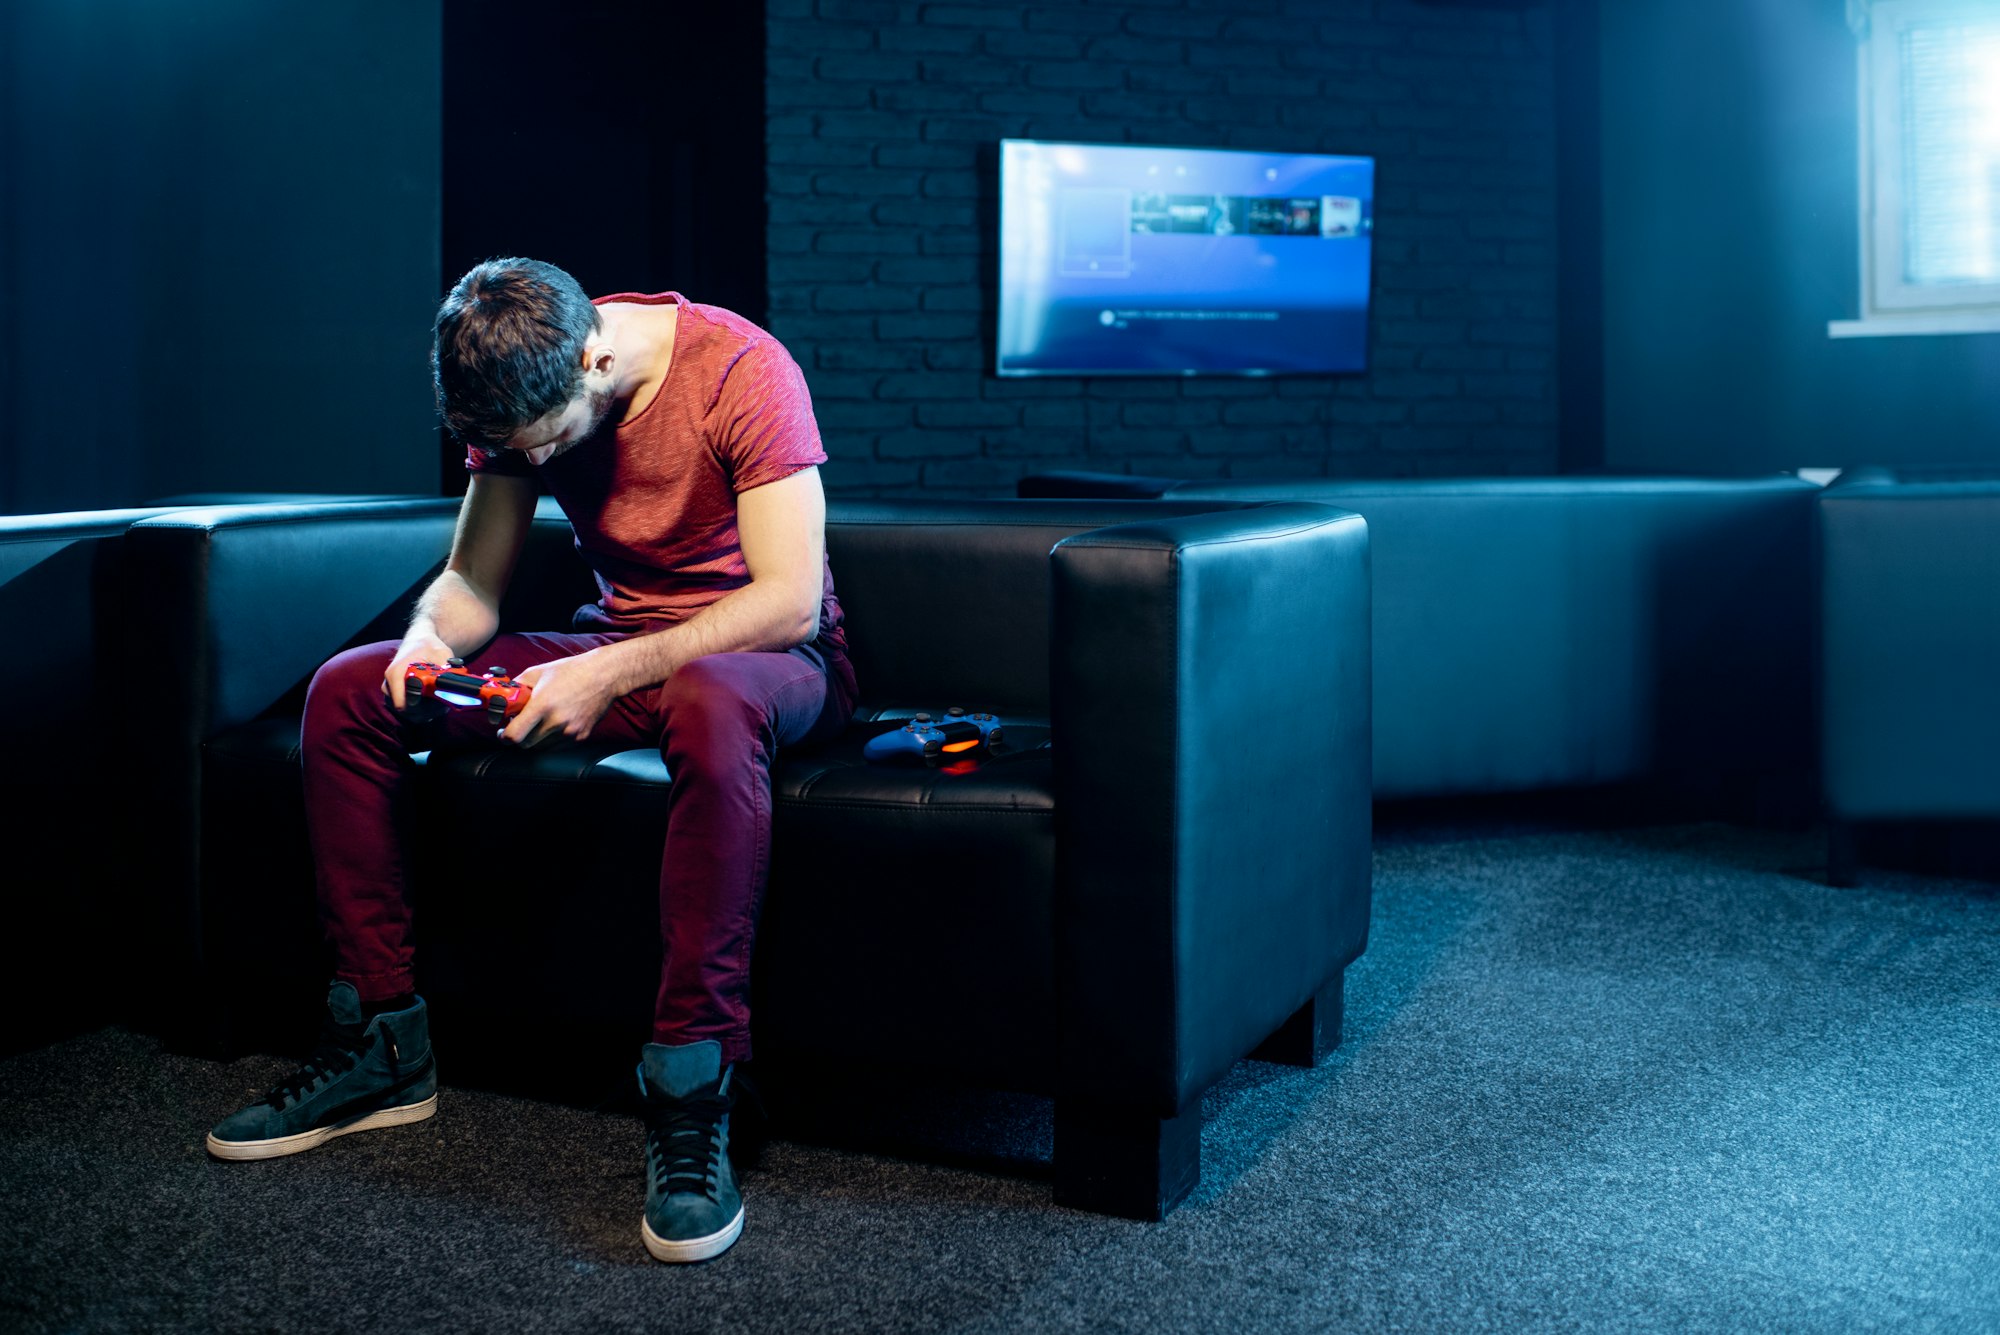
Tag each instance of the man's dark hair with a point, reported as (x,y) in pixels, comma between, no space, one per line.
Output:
(508,348)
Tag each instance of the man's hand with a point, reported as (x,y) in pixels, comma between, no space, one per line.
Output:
(570,696)
(416,648)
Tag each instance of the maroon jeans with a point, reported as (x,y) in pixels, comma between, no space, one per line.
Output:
(718,722)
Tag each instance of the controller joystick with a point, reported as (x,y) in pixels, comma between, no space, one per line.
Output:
(498,693)
(927,741)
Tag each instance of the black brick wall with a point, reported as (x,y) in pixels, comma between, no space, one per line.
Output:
(883,123)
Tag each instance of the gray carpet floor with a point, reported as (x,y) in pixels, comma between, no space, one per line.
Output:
(1643,1079)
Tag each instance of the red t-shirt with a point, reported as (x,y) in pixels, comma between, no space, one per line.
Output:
(653,499)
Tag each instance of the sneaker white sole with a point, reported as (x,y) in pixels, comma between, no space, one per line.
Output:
(692,1249)
(279,1146)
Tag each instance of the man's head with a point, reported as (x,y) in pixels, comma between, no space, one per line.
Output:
(510,350)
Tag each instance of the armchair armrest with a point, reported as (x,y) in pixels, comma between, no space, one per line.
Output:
(1210,679)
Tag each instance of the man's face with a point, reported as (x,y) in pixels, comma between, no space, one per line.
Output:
(556,432)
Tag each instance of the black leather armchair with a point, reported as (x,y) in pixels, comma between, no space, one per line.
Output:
(1169,868)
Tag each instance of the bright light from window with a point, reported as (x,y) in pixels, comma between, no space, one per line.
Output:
(1951,151)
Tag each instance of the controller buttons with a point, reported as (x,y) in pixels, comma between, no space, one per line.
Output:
(454,662)
(496,672)
(920,718)
(956,711)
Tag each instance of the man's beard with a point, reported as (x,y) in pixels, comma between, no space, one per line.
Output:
(600,408)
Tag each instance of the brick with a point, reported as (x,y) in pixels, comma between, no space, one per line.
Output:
(1454,414)
(975,414)
(1528,387)
(1061,413)
(927,156)
(962,356)
(1142,79)
(1019,102)
(818,153)
(1327,58)
(1251,440)
(1081,75)
(1204,26)
(819,212)
(1426,333)
(865,67)
(1268,84)
(1032,45)
(1131,107)
(873,126)
(1271,412)
(977,128)
(927,213)
(1413,385)
(972,16)
(1116,51)
(868,357)
(858,11)
(979,71)
(1043,448)
(863,297)
(1229,111)
(934,326)
(849,475)
(1222,387)
(1365,412)
(832,385)
(1137,441)
(985,476)
(928,271)
(867,184)
(929,41)
(1462,359)
(1033,387)
(782,270)
(817,37)
(881,241)
(1071,18)
(1173,413)
(1527,360)
(1514,333)
(871,417)
(790,96)
(923,99)
(921,444)
(929,385)
(956,299)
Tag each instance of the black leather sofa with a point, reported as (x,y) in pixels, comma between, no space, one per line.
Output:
(1168,869)
(1538,633)
(78,710)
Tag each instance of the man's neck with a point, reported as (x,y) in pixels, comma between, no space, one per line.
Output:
(644,338)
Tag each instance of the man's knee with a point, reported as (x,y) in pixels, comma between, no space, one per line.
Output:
(707,705)
(350,674)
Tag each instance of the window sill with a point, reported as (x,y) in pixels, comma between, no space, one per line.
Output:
(1889,326)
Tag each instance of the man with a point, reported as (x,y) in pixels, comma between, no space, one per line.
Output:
(679,440)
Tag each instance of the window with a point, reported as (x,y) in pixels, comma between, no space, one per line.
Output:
(1930,167)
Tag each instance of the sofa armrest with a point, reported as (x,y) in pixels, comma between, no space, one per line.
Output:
(233,607)
(1210,678)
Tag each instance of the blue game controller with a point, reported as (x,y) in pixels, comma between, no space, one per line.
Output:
(931,740)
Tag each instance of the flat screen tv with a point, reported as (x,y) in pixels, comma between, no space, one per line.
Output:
(1122,259)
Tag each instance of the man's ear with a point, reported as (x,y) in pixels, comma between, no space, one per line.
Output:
(599,358)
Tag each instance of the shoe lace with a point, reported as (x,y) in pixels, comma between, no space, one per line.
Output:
(684,1141)
(338,1052)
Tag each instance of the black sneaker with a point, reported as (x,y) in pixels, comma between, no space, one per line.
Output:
(364,1074)
(693,1209)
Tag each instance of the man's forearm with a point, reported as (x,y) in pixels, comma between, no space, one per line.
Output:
(754,617)
(453,611)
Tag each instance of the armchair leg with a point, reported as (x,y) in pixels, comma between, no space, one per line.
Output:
(1312,1032)
(1843,857)
(1120,1162)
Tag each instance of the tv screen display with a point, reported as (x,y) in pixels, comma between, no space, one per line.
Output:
(1124,259)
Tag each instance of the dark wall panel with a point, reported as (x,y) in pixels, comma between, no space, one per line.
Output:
(221,248)
(1731,239)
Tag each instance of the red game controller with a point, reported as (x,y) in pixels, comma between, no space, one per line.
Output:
(502,696)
